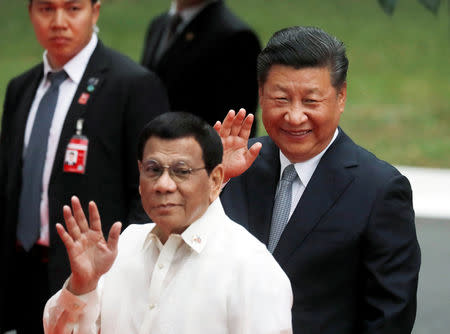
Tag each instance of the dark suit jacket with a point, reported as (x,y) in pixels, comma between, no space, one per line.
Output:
(211,66)
(350,247)
(124,100)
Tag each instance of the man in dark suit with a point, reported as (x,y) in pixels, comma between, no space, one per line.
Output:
(104,100)
(205,56)
(342,227)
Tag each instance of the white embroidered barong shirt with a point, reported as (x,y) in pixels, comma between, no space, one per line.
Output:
(214,278)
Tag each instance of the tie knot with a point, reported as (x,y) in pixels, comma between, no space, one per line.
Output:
(57,78)
(289,173)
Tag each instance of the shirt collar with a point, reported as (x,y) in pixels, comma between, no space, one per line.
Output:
(188,14)
(77,65)
(305,169)
(196,235)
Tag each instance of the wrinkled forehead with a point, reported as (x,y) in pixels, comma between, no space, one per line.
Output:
(169,150)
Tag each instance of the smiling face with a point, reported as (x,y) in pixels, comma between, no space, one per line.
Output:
(301,109)
(172,205)
(63,27)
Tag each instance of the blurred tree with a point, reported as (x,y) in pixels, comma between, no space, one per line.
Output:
(389,5)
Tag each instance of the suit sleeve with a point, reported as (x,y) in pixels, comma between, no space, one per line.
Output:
(147,99)
(391,261)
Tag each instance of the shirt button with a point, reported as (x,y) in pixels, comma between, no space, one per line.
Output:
(161,266)
(152,306)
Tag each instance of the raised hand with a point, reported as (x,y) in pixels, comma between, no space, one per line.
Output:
(234,132)
(89,254)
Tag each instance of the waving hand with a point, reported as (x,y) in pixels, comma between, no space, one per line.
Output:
(234,132)
(90,255)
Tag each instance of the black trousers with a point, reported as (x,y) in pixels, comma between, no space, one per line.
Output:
(29,291)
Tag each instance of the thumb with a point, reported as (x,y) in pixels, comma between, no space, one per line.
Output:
(252,153)
(113,237)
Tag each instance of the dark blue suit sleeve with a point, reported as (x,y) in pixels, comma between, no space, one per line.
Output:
(391,261)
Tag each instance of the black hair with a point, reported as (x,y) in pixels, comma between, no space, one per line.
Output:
(301,47)
(174,125)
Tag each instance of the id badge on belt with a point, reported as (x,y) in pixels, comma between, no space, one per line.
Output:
(76,152)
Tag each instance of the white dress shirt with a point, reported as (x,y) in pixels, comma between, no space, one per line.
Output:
(75,69)
(214,278)
(304,170)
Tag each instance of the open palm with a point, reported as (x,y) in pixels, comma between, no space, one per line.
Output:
(90,255)
(234,133)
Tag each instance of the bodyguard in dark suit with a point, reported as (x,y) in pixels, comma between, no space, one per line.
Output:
(348,241)
(205,56)
(104,98)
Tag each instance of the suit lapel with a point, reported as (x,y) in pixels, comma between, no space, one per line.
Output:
(265,176)
(24,106)
(154,41)
(329,181)
(190,33)
(95,71)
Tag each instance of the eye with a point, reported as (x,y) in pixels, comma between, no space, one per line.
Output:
(310,101)
(45,9)
(181,169)
(152,168)
(74,8)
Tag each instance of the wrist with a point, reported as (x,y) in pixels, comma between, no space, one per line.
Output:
(78,288)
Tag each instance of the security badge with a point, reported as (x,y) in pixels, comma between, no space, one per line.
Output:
(76,152)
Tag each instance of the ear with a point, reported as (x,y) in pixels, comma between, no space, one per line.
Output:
(260,93)
(95,12)
(342,97)
(215,180)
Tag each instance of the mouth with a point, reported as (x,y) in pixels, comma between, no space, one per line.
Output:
(165,206)
(296,133)
(59,40)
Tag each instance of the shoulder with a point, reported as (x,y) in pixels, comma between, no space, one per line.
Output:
(255,270)
(121,64)
(134,235)
(157,21)
(249,253)
(223,23)
(369,165)
(24,79)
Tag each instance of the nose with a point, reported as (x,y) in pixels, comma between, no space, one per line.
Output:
(296,115)
(165,184)
(59,19)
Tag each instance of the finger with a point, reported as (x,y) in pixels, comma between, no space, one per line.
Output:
(227,123)
(79,215)
(246,127)
(71,224)
(65,237)
(94,217)
(217,127)
(238,122)
(113,237)
(252,153)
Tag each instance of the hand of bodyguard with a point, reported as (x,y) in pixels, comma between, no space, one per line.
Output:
(234,132)
(90,255)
